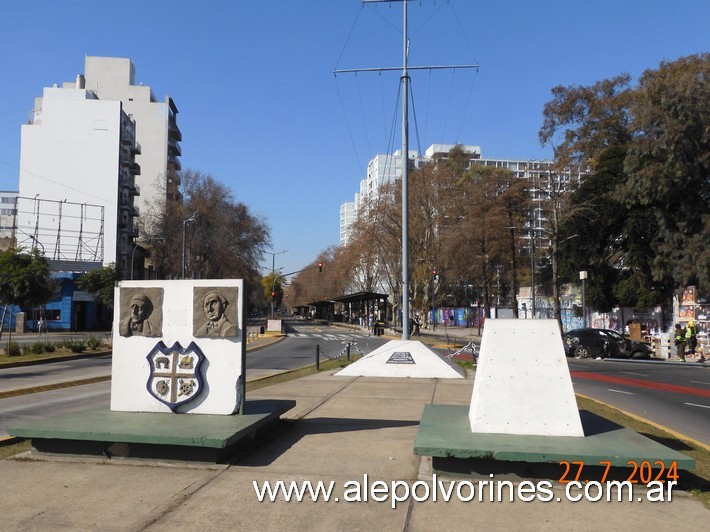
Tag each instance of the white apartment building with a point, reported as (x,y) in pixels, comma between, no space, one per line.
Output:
(387,168)
(381,169)
(100,141)
(157,133)
(78,149)
(7,218)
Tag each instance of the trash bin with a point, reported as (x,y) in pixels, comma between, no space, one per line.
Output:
(379,328)
(261,330)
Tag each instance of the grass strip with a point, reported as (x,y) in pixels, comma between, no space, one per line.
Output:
(55,386)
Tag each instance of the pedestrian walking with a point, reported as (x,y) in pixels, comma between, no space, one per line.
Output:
(41,326)
(680,341)
(691,337)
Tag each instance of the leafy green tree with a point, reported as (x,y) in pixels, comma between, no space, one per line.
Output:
(669,164)
(100,282)
(643,217)
(273,282)
(614,240)
(581,122)
(24,280)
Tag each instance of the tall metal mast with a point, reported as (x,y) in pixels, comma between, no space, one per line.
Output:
(405,152)
(405,180)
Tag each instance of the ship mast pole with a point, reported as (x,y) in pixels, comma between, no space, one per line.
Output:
(405,182)
(405,155)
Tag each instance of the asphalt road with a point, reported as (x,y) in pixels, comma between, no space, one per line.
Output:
(54,372)
(298,349)
(675,396)
(671,395)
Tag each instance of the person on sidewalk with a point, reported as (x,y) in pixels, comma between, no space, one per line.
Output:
(691,337)
(680,341)
(414,325)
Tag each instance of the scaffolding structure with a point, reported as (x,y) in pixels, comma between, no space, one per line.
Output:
(70,235)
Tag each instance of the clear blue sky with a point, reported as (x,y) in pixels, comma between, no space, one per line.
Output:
(261,110)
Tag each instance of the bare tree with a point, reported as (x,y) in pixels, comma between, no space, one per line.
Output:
(222,238)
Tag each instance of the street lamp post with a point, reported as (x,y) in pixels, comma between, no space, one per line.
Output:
(186,221)
(34,239)
(273,272)
(137,245)
(37,242)
(583,277)
(133,254)
(532,273)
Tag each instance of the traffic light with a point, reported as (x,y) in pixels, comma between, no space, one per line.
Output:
(320,266)
(435,276)
(273,295)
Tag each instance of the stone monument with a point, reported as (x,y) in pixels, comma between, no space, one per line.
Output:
(178,347)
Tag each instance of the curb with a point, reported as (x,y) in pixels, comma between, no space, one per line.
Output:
(673,433)
(62,358)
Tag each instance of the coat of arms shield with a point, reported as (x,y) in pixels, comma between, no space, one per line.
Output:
(175,378)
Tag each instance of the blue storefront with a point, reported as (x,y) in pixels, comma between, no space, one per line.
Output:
(70,309)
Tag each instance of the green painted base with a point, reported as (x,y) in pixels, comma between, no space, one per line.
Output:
(445,434)
(193,437)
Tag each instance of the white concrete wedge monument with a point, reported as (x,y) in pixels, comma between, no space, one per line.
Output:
(402,358)
(522,384)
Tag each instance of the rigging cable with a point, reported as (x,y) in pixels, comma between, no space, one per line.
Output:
(473,83)
(448,105)
(347,124)
(390,143)
(362,112)
(340,96)
(428,102)
(465,108)
(414,114)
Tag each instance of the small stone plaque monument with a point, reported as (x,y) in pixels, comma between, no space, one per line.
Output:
(178,346)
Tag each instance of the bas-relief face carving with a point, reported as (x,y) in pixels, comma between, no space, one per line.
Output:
(141,307)
(141,312)
(214,305)
(214,313)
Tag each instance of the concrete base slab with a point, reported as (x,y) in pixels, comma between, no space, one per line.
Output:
(445,432)
(102,432)
(402,358)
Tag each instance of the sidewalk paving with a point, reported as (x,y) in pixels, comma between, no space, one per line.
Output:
(341,429)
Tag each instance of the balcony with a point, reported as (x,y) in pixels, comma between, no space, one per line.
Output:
(132,210)
(174,148)
(174,132)
(174,164)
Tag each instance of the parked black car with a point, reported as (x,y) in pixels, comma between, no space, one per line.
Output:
(604,343)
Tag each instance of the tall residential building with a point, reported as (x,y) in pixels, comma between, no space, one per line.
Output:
(388,168)
(8,199)
(77,155)
(347,217)
(382,169)
(101,141)
(157,132)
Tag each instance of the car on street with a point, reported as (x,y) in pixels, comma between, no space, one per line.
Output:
(602,343)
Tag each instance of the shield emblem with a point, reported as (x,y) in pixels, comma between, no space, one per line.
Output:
(175,377)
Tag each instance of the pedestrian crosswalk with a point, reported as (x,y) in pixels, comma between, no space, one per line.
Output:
(328,336)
